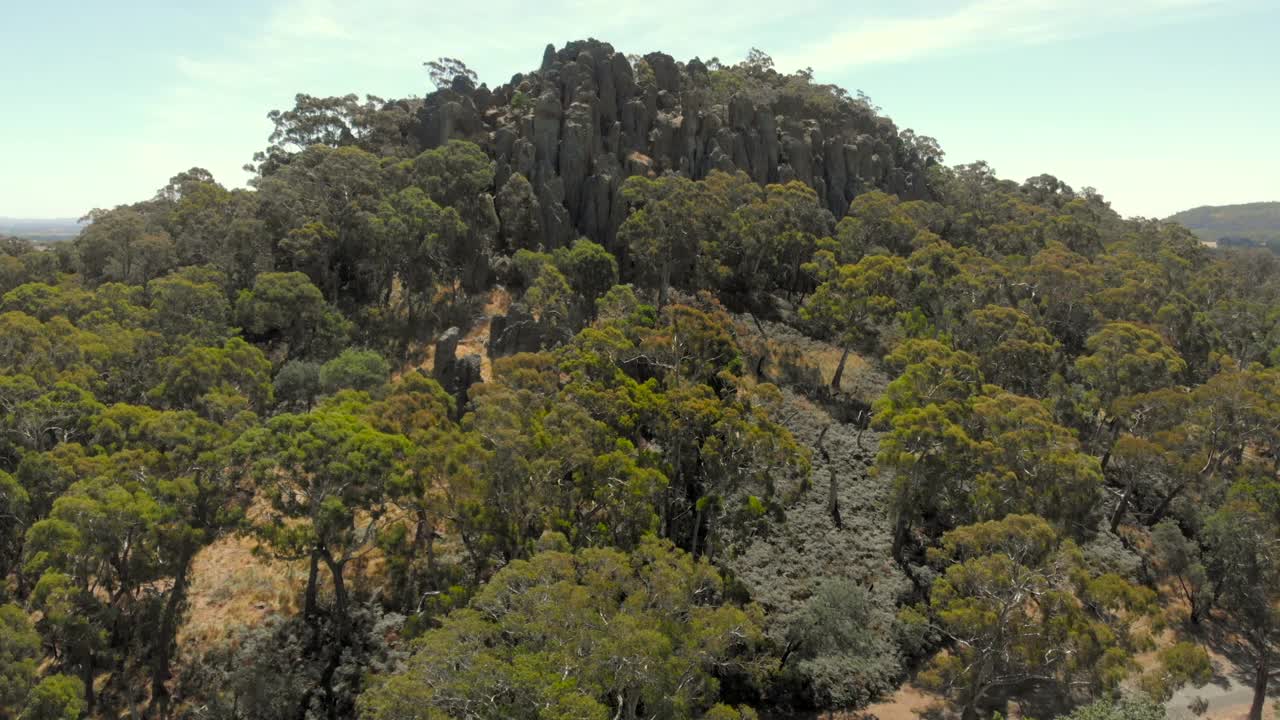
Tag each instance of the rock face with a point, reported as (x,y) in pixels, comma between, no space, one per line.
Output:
(515,332)
(455,374)
(587,119)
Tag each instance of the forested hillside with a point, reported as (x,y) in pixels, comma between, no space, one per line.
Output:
(632,388)
(1248,225)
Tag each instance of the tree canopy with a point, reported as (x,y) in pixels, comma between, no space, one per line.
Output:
(506,401)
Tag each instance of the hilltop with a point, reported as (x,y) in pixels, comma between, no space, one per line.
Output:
(1256,224)
(633,388)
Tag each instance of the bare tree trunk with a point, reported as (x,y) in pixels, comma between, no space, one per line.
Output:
(431,555)
(1163,508)
(1111,443)
(313,576)
(1261,676)
(664,283)
(835,379)
(86,676)
(424,540)
(1118,515)
(697,524)
(709,538)
(833,497)
(161,658)
(977,691)
(900,531)
(340,600)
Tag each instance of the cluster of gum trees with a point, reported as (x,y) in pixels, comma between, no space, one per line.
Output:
(1066,373)
(145,417)
(214,362)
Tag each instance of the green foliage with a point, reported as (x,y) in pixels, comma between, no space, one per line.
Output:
(374,125)
(1017,603)
(189,306)
(1013,352)
(121,246)
(1052,367)
(664,234)
(297,384)
(1258,223)
(326,475)
(354,369)
(445,70)
(1179,664)
(204,378)
(39,418)
(876,223)
(1136,706)
(769,241)
(19,649)
(1125,360)
(213,226)
(421,244)
(594,634)
(268,670)
(842,644)
(518,209)
(858,300)
(725,712)
(1178,558)
(57,697)
(589,269)
(548,300)
(1241,536)
(287,308)
(647,424)
(1025,462)
(15,508)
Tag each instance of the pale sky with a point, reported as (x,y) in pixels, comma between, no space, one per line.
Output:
(1160,104)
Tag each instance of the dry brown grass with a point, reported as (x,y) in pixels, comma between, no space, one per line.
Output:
(232,588)
(427,362)
(793,359)
(476,342)
(828,359)
(906,704)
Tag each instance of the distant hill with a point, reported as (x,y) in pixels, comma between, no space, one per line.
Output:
(1256,224)
(40,229)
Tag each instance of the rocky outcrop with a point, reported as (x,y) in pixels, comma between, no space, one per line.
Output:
(455,374)
(586,119)
(515,332)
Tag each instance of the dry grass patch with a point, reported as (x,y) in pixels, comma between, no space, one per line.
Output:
(233,588)
(785,356)
(908,703)
(828,359)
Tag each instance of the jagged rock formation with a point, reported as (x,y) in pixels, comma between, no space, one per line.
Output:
(565,136)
